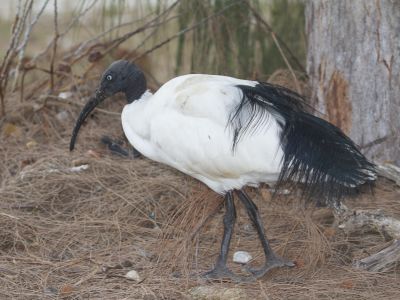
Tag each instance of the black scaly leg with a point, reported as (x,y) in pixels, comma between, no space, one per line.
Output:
(272,259)
(116,148)
(220,269)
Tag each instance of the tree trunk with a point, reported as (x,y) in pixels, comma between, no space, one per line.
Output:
(354,65)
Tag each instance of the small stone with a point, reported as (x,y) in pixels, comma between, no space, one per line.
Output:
(65,95)
(31,144)
(283,192)
(280,192)
(242,257)
(62,116)
(248,227)
(216,292)
(133,275)
(78,169)
(104,269)
(36,107)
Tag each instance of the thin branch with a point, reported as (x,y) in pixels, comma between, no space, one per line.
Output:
(85,44)
(281,42)
(152,23)
(277,43)
(53,55)
(21,48)
(17,28)
(69,27)
(296,82)
(186,30)
(118,41)
(61,101)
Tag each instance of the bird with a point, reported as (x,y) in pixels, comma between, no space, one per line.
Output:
(231,133)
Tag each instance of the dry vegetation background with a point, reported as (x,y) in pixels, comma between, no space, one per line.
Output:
(73,233)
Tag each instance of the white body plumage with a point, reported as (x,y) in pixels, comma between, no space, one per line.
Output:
(184,125)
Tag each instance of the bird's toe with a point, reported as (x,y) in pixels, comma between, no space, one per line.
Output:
(114,146)
(225,274)
(272,263)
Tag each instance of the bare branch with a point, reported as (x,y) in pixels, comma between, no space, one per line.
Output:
(184,31)
(278,39)
(21,48)
(85,44)
(55,39)
(69,27)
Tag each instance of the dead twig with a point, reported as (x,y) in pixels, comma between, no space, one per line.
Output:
(390,171)
(376,220)
(382,261)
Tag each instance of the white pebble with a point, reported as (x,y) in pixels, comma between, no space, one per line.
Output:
(280,192)
(78,169)
(62,116)
(133,275)
(242,257)
(65,95)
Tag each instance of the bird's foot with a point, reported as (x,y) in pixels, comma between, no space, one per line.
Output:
(223,273)
(117,149)
(272,263)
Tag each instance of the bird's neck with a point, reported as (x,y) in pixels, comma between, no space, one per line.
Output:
(136,89)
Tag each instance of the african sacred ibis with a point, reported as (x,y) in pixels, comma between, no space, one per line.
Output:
(230,133)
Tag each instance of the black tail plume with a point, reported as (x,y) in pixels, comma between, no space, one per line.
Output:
(316,153)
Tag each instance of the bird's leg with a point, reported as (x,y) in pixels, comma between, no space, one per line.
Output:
(272,259)
(220,269)
(116,148)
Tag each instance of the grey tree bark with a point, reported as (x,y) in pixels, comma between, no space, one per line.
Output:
(353,62)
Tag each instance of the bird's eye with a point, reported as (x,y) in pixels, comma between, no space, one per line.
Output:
(109,77)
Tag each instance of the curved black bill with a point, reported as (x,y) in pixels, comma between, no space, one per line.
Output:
(89,107)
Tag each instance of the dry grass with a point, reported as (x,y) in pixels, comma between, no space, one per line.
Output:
(74,235)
